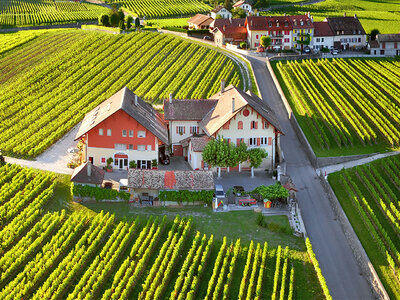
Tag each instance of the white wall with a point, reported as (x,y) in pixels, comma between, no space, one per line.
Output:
(175,137)
(322,42)
(349,38)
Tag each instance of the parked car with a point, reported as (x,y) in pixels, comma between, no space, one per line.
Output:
(73,150)
(219,192)
(207,38)
(307,50)
(334,52)
(164,159)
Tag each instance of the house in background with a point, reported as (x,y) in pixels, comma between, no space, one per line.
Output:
(348,32)
(125,128)
(386,44)
(303,29)
(323,36)
(87,174)
(220,11)
(200,21)
(244,4)
(232,114)
(229,31)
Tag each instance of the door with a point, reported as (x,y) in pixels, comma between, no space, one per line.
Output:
(121,163)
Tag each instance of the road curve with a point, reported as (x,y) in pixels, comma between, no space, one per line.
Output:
(330,245)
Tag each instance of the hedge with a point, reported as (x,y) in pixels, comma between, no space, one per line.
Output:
(98,193)
(186,196)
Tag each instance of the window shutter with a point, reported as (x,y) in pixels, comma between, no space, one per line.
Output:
(184,129)
(270,141)
(177,129)
(237,142)
(191,129)
(229,141)
(256,125)
(258,141)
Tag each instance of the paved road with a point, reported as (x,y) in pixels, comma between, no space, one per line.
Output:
(72,25)
(329,242)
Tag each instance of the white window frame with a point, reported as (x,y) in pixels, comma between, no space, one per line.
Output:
(141,147)
(130,133)
(124,133)
(130,146)
(109,132)
(120,146)
(141,133)
(195,129)
(181,129)
(264,141)
(149,148)
(252,142)
(101,131)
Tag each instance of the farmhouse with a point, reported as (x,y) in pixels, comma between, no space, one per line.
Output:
(200,21)
(125,128)
(323,36)
(220,11)
(229,31)
(244,4)
(348,32)
(386,44)
(236,116)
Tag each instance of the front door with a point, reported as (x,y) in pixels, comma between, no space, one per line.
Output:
(121,163)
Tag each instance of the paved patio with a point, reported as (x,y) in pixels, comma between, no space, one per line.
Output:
(228,180)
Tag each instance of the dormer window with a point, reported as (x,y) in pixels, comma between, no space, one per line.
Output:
(286,24)
(308,22)
(270,24)
(354,32)
(337,32)
(295,23)
(342,31)
(301,23)
(277,23)
(359,32)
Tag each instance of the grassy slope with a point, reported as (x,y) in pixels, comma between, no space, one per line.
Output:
(378,260)
(383,15)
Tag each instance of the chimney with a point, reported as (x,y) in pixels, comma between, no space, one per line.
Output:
(344,14)
(230,20)
(224,27)
(233,105)
(170,98)
(89,169)
(222,85)
(136,102)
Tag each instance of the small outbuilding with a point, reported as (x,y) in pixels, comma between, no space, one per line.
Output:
(88,174)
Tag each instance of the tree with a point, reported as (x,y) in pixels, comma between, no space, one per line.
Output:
(114,19)
(238,13)
(129,20)
(243,45)
(272,192)
(374,33)
(265,41)
(304,41)
(104,20)
(242,154)
(121,15)
(256,155)
(228,4)
(121,25)
(137,22)
(218,17)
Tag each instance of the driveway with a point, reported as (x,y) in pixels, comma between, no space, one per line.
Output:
(329,242)
(177,163)
(228,180)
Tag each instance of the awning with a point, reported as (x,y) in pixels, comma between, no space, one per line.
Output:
(121,156)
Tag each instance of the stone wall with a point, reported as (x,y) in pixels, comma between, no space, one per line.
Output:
(327,161)
(361,256)
(296,57)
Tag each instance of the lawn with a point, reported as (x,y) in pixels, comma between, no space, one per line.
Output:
(383,15)
(370,196)
(344,106)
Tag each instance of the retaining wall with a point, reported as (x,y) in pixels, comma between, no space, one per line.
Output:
(361,256)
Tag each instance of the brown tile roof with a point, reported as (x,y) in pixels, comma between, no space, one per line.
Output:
(201,20)
(170,180)
(80,174)
(125,99)
(222,112)
(232,28)
(199,142)
(262,23)
(301,22)
(187,109)
(217,8)
(322,29)
(347,25)
(388,37)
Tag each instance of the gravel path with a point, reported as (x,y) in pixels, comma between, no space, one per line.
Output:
(55,158)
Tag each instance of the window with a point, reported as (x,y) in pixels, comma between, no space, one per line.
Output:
(144,164)
(240,125)
(130,146)
(124,132)
(120,146)
(141,134)
(317,40)
(395,45)
(100,131)
(125,162)
(264,140)
(295,31)
(252,141)
(180,130)
(322,39)
(287,40)
(115,162)
(108,132)
(91,159)
(194,129)
(256,36)
(130,133)
(359,40)
(382,52)
(239,140)
(383,45)
(141,147)
(266,124)
(148,147)
(253,125)
(103,160)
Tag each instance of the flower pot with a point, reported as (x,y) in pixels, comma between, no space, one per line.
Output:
(154,168)
(109,170)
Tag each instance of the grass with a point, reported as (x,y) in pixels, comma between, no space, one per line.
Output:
(383,15)
(380,144)
(378,260)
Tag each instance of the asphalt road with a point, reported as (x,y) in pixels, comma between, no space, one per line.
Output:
(335,256)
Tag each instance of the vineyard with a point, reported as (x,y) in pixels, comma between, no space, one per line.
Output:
(345,106)
(62,75)
(39,12)
(370,196)
(81,254)
(162,8)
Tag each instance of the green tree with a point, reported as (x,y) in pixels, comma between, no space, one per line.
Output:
(114,19)
(218,17)
(121,25)
(374,33)
(228,4)
(272,192)
(238,13)
(137,23)
(256,155)
(265,41)
(242,154)
(104,20)
(129,20)
(121,15)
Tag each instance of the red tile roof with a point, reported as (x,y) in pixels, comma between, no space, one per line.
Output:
(322,29)
(232,28)
(301,22)
(268,23)
(201,20)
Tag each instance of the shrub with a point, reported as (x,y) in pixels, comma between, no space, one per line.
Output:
(132,164)
(104,20)
(243,45)
(260,220)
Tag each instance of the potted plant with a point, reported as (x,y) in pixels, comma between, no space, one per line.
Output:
(154,164)
(109,164)
(132,164)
